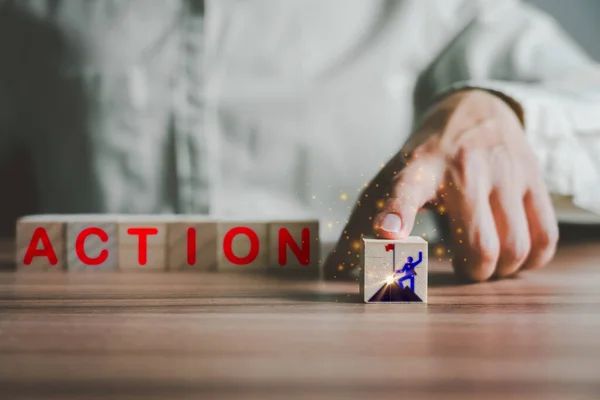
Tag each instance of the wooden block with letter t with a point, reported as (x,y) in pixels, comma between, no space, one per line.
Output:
(394,271)
(41,243)
(192,243)
(143,242)
(294,244)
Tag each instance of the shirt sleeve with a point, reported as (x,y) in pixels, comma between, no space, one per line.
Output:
(522,55)
(7,139)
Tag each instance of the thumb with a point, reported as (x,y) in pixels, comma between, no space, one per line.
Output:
(411,189)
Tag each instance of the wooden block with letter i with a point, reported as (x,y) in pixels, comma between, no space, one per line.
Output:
(41,243)
(294,244)
(192,244)
(394,271)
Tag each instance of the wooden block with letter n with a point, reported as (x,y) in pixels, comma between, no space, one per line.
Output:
(394,271)
(92,242)
(143,242)
(192,243)
(294,244)
(41,243)
(242,246)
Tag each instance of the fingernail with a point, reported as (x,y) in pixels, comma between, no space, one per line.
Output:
(391,223)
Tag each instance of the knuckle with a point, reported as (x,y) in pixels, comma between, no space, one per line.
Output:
(544,249)
(484,252)
(480,260)
(548,239)
(516,253)
(466,164)
(473,271)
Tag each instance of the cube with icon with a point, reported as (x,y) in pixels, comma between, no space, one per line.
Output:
(394,271)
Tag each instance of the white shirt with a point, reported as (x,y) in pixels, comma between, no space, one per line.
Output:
(269,108)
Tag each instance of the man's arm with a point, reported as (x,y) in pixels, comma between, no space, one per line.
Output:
(522,55)
(420,259)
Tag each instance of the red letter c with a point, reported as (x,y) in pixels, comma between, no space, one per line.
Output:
(80,250)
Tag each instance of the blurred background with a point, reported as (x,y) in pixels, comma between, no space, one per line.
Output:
(19,197)
(579,18)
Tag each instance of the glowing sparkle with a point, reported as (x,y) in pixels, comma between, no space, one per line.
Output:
(343,196)
(380,204)
(340,267)
(439,250)
(330,225)
(459,231)
(356,245)
(441,209)
(389,280)
(314,197)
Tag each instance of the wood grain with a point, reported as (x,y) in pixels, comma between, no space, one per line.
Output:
(250,336)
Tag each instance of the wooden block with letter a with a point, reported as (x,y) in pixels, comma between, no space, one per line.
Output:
(394,271)
(41,243)
(242,245)
(192,243)
(294,244)
(143,242)
(92,242)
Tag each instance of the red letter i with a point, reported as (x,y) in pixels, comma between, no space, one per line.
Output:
(191,246)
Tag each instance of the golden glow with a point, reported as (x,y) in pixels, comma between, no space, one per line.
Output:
(439,250)
(390,279)
(343,196)
(356,245)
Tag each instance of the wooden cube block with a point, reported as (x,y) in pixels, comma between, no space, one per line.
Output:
(133,231)
(242,245)
(394,271)
(92,243)
(294,244)
(40,244)
(192,244)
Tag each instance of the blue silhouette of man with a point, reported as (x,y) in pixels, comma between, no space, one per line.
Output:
(409,271)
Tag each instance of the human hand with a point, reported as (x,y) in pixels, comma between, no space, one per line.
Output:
(470,158)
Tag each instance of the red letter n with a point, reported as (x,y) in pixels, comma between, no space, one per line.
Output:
(142,241)
(302,254)
(47,250)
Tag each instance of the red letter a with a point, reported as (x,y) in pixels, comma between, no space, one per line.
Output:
(303,255)
(46,251)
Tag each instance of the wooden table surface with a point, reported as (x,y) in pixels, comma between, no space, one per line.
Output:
(209,335)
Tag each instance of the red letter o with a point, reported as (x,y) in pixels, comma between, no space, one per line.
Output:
(254,245)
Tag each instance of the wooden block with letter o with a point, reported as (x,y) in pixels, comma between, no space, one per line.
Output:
(394,271)
(242,245)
